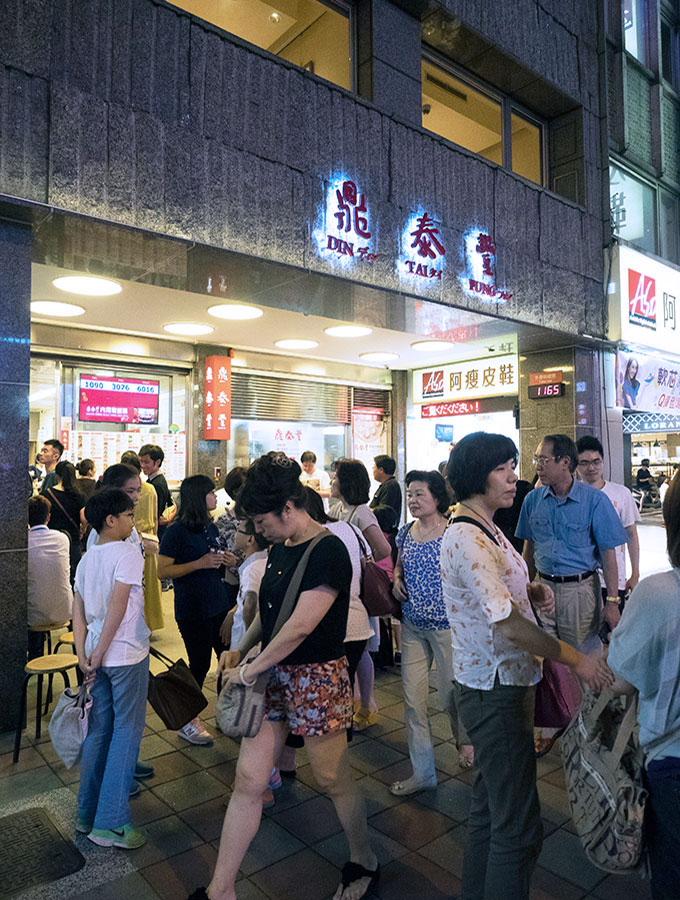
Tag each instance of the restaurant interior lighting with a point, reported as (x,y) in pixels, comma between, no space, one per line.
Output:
(296,344)
(55,308)
(188,329)
(379,356)
(348,331)
(235,311)
(431,346)
(87,285)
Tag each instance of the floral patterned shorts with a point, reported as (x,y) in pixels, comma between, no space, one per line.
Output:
(313,699)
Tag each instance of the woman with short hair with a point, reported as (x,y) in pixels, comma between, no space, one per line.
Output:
(308,691)
(497,647)
(425,635)
(189,555)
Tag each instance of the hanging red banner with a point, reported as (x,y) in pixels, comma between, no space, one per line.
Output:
(217,398)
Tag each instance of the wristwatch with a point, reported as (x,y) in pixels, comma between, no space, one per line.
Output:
(616,600)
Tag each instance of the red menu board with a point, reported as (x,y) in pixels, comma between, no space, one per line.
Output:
(132,401)
(217,398)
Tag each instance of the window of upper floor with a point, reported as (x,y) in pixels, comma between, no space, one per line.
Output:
(670,52)
(468,113)
(644,214)
(635,16)
(313,34)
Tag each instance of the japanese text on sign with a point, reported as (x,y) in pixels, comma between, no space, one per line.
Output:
(217,398)
(443,410)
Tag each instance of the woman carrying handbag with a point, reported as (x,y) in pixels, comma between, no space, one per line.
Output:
(308,691)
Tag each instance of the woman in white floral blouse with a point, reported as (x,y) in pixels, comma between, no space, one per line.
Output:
(496,662)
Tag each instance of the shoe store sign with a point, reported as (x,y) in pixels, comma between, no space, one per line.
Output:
(489,377)
(644,297)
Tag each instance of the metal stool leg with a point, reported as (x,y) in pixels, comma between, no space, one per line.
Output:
(49,642)
(20,723)
(67,683)
(38,708)
(48,698)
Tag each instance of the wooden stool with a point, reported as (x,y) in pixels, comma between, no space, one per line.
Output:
(41,666)
(65,640)
(46,631)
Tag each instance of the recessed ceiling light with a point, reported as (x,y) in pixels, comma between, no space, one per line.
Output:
(89,285)
(188,329)
(275,18)
(378,356)
(55,308)
(237,361)
(348,331)
(431,346)
(296,344)
(235,311)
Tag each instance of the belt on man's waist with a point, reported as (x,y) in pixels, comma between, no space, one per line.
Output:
(565,579)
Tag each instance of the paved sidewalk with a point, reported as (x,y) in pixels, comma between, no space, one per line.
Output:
(299,848)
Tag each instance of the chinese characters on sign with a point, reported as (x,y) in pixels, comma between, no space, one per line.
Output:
(553,377)
(343,229)
(479,278)
(494,376)
(217,398)
(422,248)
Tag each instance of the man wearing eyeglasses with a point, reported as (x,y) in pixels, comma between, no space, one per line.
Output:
(590,468)
(570,530)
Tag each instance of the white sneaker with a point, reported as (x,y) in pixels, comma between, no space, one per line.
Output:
(195,732)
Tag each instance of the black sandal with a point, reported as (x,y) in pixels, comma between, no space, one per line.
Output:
(352,872)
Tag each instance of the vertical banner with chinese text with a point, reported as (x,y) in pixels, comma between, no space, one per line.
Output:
(217,398)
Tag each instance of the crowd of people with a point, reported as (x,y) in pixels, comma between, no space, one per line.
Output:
(484,615)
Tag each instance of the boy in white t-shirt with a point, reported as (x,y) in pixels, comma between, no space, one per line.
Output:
(252,547)
(112,643)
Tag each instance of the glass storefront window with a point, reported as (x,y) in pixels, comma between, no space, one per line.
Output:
(632,205)
(310,33)
(526,149)
(461,114)
(43,402)
(669,228)
(635,29)
(251,438)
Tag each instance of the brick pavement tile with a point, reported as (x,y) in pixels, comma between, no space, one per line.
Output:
(556,777)
(147,807)
(154,745)
(554,803)
(206,818)
(221,750)
(29,758)
(546,885)
(290,796)
(271,845)
(401,770)
(169,767)
(393,687)
(396,711)
(189,791)
(311,821)
(452,799)
(547,764)
(370,756)
(336,850)
(303,876)
(412,877)
(132,885)
(385,697)
(412,824)
(446,758)
(166,837)
(447,850)
(467,776)
(154,722)
(383,725)
(177,877)
(376,795)
(27,784)
(440,726)
(224,772)
(246,890)
(66,776)
(306,776)
(563,855)
(623,887)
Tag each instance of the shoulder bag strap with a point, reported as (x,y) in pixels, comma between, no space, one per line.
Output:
(470,521)
(351,515)
(56,500)
(291,595)
(163,658)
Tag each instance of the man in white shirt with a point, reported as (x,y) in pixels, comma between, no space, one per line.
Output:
(50,598)
(590,466)
(317,479)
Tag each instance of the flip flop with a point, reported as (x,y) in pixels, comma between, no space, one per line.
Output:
(352,872)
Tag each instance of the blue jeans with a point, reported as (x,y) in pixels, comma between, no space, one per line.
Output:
(112,744)
(662,831)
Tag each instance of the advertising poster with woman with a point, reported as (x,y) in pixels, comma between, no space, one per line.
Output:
(647,383)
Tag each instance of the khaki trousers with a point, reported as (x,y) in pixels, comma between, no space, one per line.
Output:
(578,613)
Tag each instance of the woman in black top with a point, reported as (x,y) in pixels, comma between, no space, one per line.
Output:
(67,513)
(189,555)
(308,691)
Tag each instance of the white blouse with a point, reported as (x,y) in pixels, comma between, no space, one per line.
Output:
(481,582)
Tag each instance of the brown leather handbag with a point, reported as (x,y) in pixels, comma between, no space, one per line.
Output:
(175,695)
